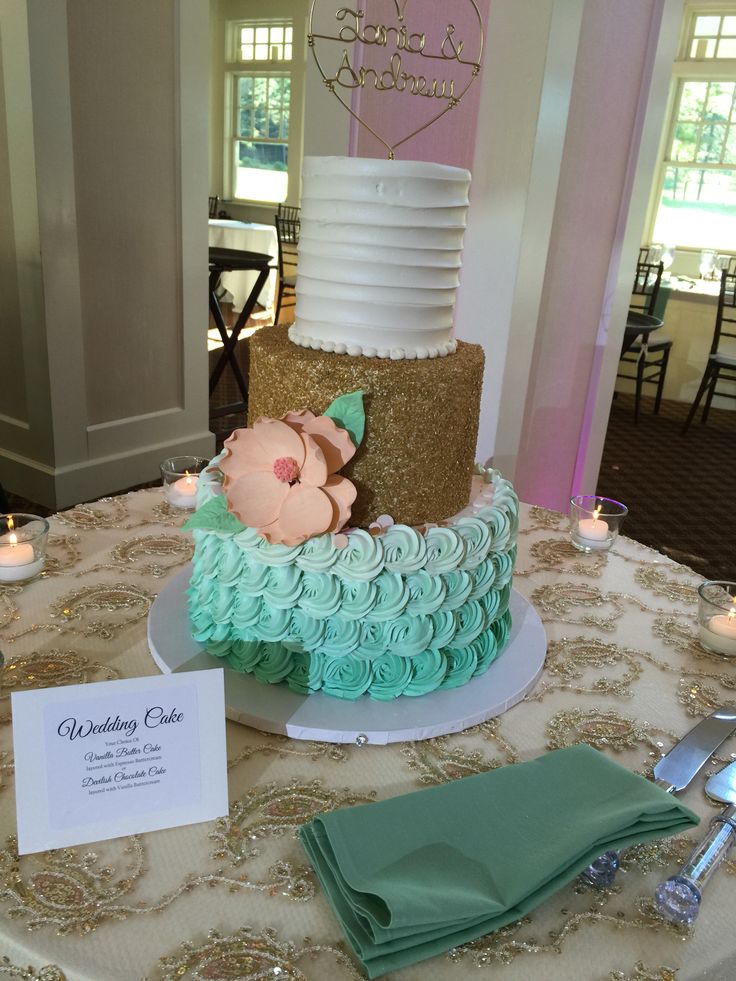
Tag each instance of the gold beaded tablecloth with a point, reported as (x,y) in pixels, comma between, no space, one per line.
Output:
(235,898)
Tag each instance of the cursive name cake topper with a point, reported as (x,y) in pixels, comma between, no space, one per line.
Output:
(387,57)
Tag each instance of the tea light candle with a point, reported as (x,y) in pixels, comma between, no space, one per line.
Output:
(15,553)
(182,493)
(593,530)
(719,634)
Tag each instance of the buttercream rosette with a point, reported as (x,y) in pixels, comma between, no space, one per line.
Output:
(280,477)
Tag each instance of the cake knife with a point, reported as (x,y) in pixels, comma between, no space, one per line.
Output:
(673,773)
(678,899)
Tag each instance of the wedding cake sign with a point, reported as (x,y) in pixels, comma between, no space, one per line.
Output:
(402,49)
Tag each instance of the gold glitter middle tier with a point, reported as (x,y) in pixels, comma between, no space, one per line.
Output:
(416,459)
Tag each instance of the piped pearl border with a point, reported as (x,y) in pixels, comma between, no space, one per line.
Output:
(368,351)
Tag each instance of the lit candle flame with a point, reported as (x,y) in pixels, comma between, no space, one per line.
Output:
(597,513)
(732,611)
(13,539)
(10,522)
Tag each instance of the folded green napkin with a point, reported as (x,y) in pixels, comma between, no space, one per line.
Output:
(413,876)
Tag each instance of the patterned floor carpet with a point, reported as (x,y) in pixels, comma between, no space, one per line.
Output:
(680,490)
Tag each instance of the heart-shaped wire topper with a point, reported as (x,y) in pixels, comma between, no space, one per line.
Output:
(404,48)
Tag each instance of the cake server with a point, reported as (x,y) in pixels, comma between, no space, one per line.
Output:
(673,773)
(678,899)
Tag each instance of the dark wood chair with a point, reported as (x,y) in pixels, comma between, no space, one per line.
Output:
(289,211)
(214,199)
(650,354)
(721,366)
(287,232)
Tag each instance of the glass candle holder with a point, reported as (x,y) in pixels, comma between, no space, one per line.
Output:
(595,522)
(23,539)
(717,616)
(180,476)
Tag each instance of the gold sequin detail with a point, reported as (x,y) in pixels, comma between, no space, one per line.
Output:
(643,973)
(601,728)
(557,600)
(569,660)
(654,579)
(553,553)
(50,669)
(48,973)
(416,459)
(275,810)
(175,549)
(248,955)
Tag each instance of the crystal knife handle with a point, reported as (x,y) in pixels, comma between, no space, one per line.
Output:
(678,899)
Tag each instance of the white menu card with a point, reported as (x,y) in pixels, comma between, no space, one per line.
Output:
(117,758)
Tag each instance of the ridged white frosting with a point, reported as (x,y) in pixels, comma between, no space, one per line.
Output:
(379,256)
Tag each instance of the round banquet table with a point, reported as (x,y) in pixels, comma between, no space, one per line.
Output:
(235,898)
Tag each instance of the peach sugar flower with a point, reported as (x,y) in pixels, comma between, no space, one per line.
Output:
(280,477)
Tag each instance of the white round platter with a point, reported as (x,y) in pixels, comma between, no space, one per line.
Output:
(276,708)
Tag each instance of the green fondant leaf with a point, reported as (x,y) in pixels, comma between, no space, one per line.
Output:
(214,516)
(347,412)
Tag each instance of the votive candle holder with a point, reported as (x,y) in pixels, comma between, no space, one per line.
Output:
(180,476)
(717,616)
(595,522)
(23,540)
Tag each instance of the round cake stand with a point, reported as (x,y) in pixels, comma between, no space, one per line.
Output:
(276,708)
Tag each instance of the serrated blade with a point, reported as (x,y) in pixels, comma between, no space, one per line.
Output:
(722,785)
(675,770)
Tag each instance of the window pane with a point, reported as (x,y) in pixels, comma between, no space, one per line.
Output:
(706,26)
(692,100)
(262,52)
(712,138)
(727,48)
(697,209)
(730,154)
(261,35)
(685,143)
(720,98)
(729,26)
(245,122)
(261,171)
(246,52)
(277,35)
(246,35)
(245,91)
(287,52)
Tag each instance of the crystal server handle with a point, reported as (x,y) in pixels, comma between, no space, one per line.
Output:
(678,899)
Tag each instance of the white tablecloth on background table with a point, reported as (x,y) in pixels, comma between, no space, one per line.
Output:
(624,672)
(248,237)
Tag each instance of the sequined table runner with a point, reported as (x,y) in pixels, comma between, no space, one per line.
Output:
(236,898)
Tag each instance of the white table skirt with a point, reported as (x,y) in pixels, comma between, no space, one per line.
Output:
(248,237)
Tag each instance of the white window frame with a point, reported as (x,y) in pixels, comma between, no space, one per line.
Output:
(687,69)
(235,68)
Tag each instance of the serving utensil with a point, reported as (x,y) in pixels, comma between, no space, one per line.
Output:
(673,773)
(678,899)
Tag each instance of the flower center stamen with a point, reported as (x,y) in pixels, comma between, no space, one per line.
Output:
(286,469)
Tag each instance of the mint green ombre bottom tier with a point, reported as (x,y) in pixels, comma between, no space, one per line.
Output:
(405,613)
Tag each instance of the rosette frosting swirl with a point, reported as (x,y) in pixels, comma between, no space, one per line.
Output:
(404,549)
(445,550)
(426,593)
(321,595)
(245,654)
(392,595)
(305,676)
(458,585)
(272,623)
(408,634)
(254,575)
(427,673)
(274,664)
(391,675)
(362,557)
(317,554)
(358,598)
(486,649)
(284,586)
(304,632)
(444,626)
(345,677)
(477,538)
(471,620)
(247,611)
(341,637)
(461,665)
(229,563)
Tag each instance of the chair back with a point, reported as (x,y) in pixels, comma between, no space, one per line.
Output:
(213,205)
(287,232)
(289,211)
(646,286)
(726,315)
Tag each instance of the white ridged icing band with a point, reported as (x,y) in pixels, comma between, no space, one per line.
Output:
(379,257)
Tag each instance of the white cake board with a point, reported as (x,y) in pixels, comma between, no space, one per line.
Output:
(276,708)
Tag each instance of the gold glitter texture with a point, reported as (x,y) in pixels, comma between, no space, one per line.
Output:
(416,459)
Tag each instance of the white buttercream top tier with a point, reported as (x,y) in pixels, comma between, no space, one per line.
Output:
(379,256)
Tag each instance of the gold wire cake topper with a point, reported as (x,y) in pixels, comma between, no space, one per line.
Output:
(399,39)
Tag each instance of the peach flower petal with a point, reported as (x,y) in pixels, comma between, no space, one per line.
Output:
(256,498)
(335,443)
(305,512)
(278,439)
(314,470)
(342,493)
(250,454)
(298,420)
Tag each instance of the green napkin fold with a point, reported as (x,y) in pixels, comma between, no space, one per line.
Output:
(413,876)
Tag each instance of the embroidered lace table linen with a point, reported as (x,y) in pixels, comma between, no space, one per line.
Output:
(413,876)
(236,898)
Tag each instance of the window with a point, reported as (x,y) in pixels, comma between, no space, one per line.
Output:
(259,82)
(697,205)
